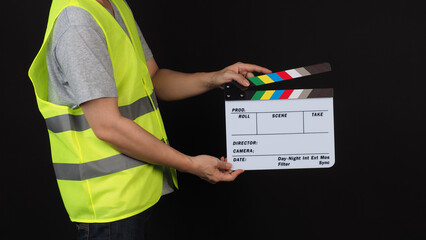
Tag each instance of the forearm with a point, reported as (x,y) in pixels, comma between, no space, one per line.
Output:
(170,85)
(132,140)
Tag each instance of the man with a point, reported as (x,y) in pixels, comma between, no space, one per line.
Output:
(94,79)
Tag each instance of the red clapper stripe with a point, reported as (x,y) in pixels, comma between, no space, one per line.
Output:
(286,94)
(284,75)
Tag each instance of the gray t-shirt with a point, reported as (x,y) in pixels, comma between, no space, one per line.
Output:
(79,64)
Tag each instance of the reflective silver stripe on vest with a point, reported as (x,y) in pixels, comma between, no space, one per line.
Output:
(69,122)
(103,167)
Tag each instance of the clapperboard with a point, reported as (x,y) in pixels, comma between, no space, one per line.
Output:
(280,128)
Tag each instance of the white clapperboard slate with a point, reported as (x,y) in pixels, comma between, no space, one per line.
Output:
(280,128)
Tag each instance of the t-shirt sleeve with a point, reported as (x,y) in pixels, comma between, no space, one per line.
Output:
(83,57)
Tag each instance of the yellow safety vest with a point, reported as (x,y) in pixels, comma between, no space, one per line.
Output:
(98,183)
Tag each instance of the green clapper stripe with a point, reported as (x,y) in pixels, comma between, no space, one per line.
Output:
(258,95)
(256,81)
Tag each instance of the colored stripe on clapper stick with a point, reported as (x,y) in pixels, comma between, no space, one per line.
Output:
(290,74)
(292,94)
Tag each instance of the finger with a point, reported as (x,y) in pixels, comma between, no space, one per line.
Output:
(223,159)
(222,165)
(229,170)
(226,160)
(250,75)
(253,68)
(229,177)
(237,172)
(239,78)
(226,171)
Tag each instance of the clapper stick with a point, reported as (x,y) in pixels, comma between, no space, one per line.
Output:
(290,74)
(235,91)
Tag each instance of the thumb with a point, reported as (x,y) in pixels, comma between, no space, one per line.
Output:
(223,165)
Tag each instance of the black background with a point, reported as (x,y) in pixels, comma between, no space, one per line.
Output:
(376,189)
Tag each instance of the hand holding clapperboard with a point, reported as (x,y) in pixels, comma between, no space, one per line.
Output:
(280,128)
